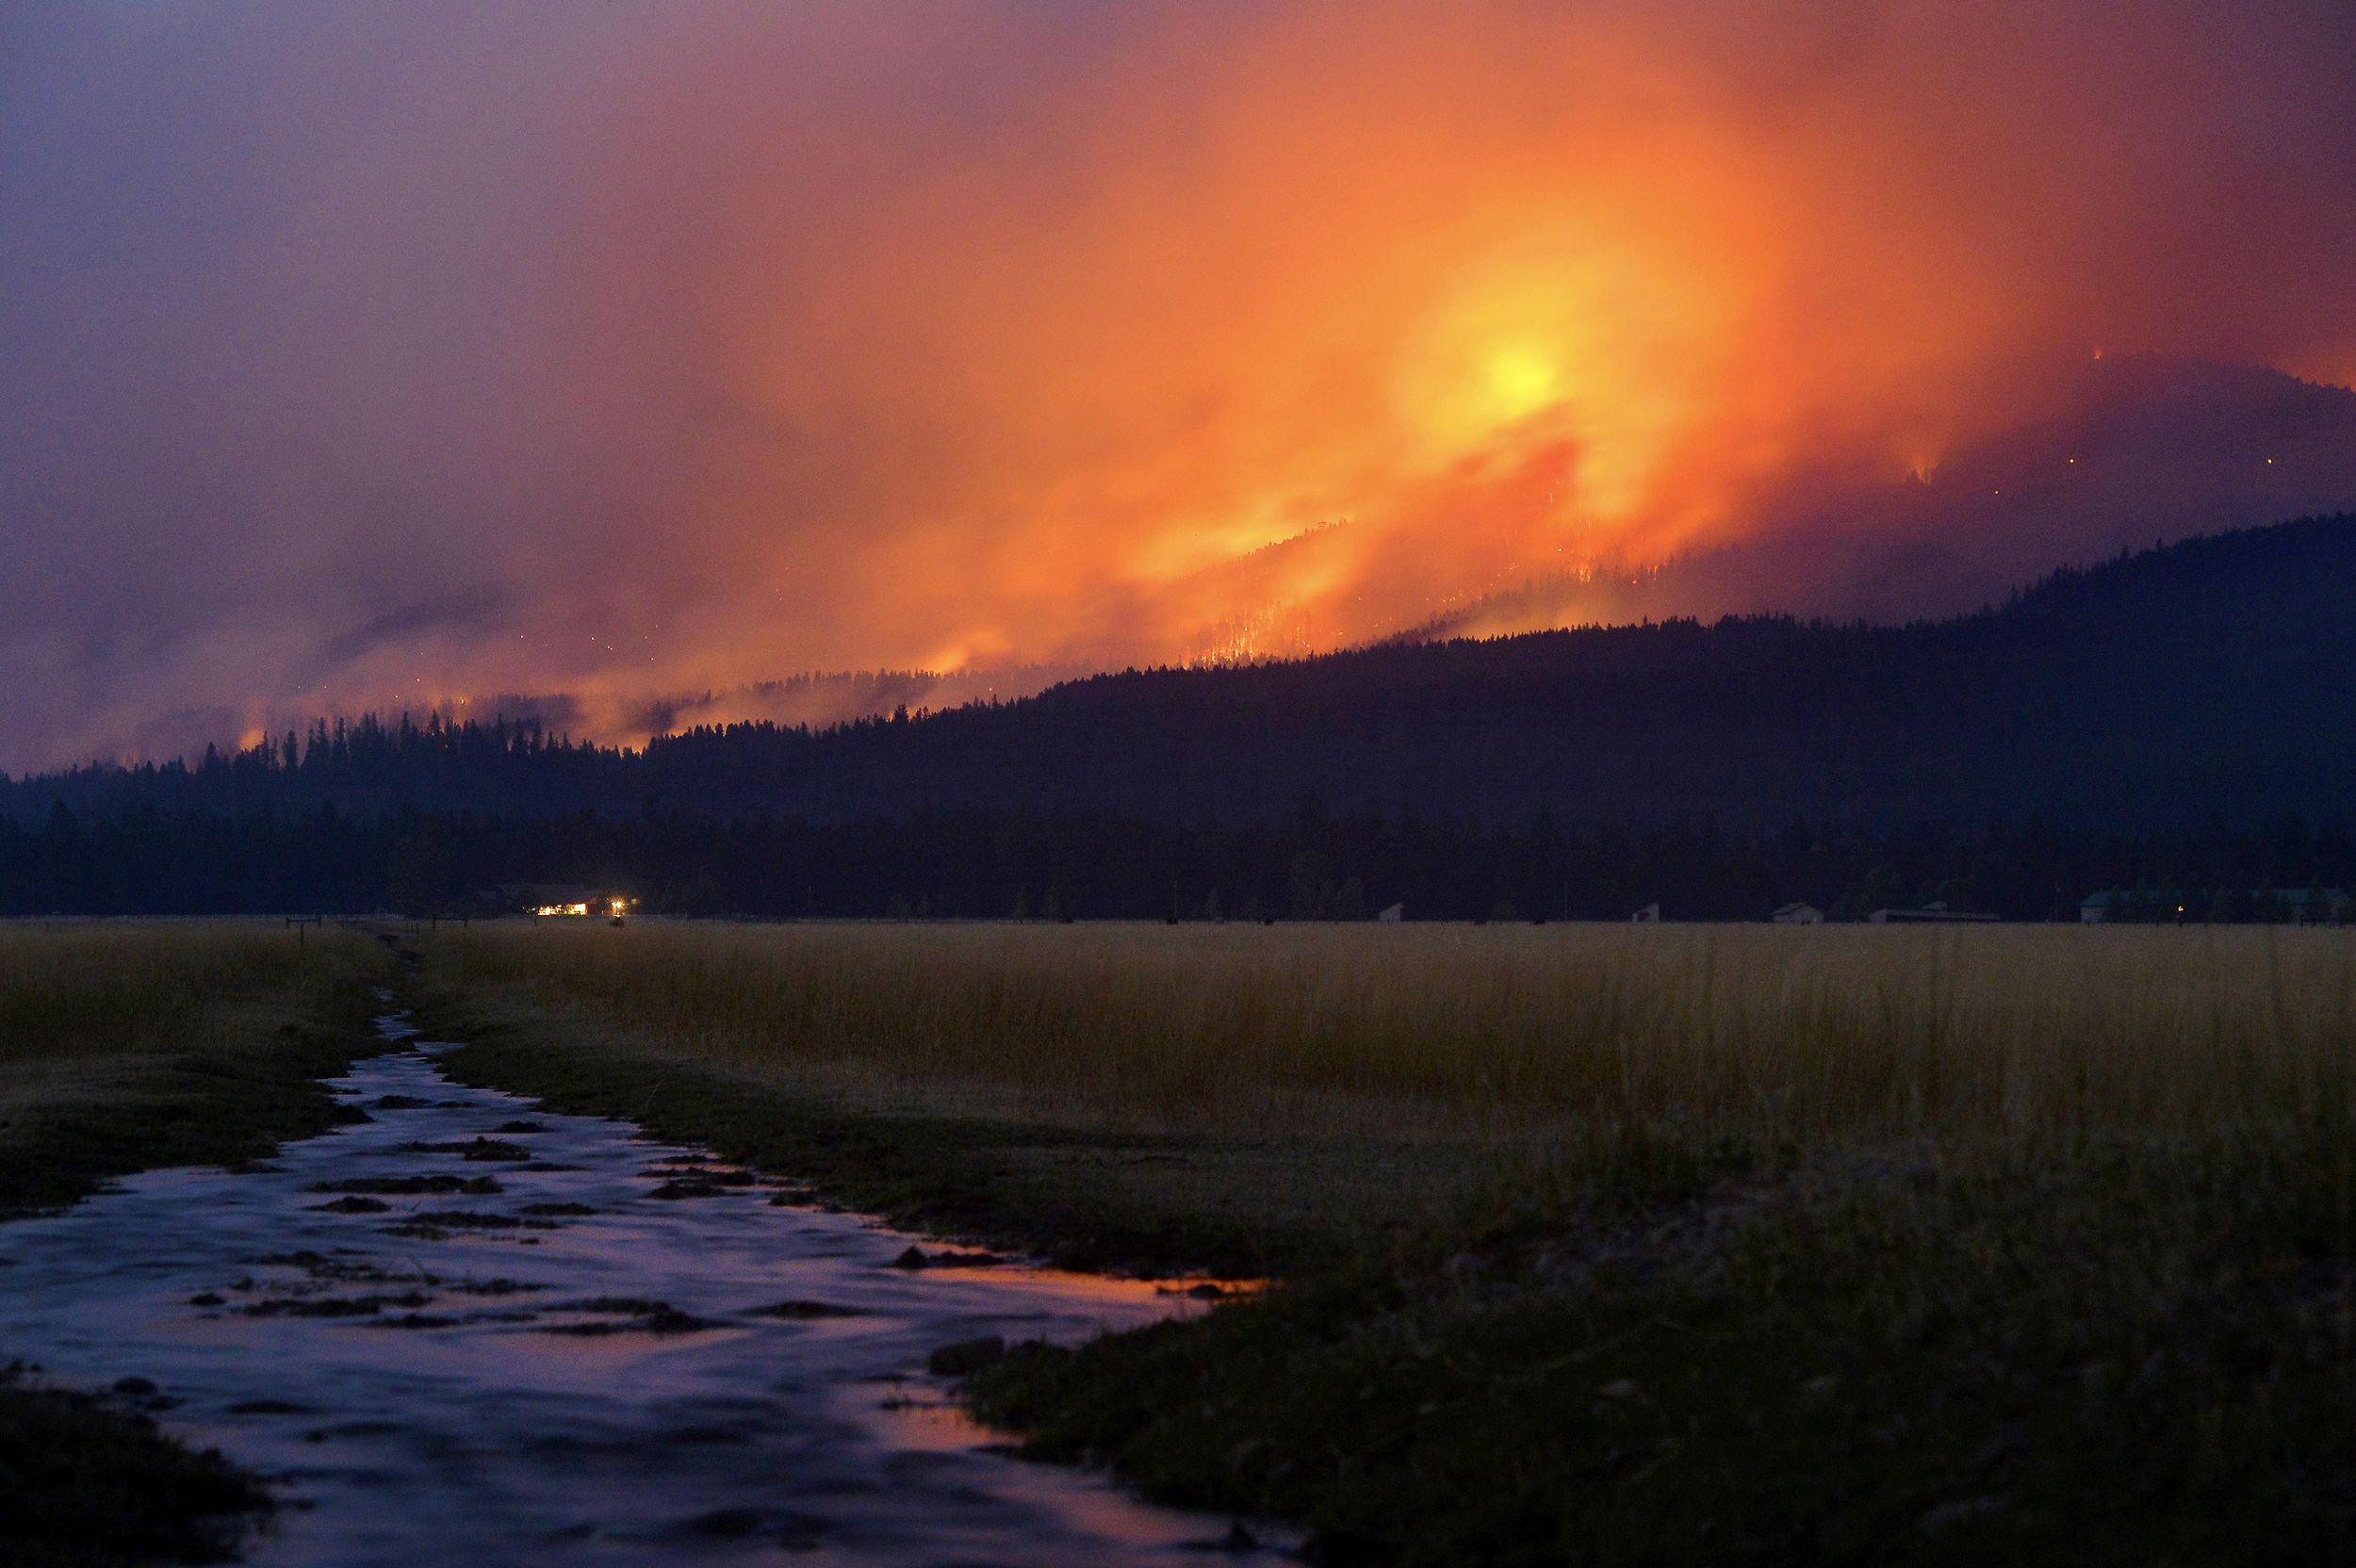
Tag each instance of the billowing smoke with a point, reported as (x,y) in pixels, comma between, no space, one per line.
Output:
(379,355)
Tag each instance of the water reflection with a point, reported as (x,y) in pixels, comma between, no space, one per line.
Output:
(472,1331)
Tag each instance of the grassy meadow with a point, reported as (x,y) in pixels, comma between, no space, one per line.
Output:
(84,990)
(125,1045)
(1774,1037)
(1846,1244)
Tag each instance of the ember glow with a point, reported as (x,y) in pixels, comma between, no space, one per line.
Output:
(627,353)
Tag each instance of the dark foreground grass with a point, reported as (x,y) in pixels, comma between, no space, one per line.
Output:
(2087,1366)
(2117,1332)
(85,1484)
(214,1059)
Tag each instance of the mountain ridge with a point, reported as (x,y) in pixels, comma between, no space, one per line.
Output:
(2204,680)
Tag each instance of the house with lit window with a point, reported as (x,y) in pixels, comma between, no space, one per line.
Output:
(565,901)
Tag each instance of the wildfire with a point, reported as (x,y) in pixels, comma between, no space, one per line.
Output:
(834,343)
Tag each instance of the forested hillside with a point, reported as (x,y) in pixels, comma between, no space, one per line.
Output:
(2205,680)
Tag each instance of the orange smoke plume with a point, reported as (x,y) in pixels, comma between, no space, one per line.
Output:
(1031,335)
(1267,335)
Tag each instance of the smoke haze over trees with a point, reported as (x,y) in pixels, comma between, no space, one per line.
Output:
(2175,716)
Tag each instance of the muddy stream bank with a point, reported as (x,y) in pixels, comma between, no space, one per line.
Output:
(469,1332)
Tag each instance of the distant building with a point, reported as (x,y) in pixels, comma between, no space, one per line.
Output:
(1933,913)
(2107,908)
(1648,915)
(1392,914)
(565,901)
(1798,914)
(2104,908)
(2110,907)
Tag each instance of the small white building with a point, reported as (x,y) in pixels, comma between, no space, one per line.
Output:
(1648,915)
(1798,914)
(1392,914)
(1933,913)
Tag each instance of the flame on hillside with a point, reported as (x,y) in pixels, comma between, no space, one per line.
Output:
(764,339)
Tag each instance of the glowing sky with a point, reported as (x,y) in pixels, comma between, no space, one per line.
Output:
(359,353)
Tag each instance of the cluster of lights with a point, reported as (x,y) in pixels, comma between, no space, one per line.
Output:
(616,907)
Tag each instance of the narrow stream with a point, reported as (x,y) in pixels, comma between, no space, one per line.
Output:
(470,1331)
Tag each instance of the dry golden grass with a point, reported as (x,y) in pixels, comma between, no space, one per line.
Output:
(72,991)
(1599,1243)
(1754,1033)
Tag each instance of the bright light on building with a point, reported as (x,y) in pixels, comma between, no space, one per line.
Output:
(568,904)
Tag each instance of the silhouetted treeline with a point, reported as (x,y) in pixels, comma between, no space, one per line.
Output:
(358,766)
(2207,681)
(1308,863)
